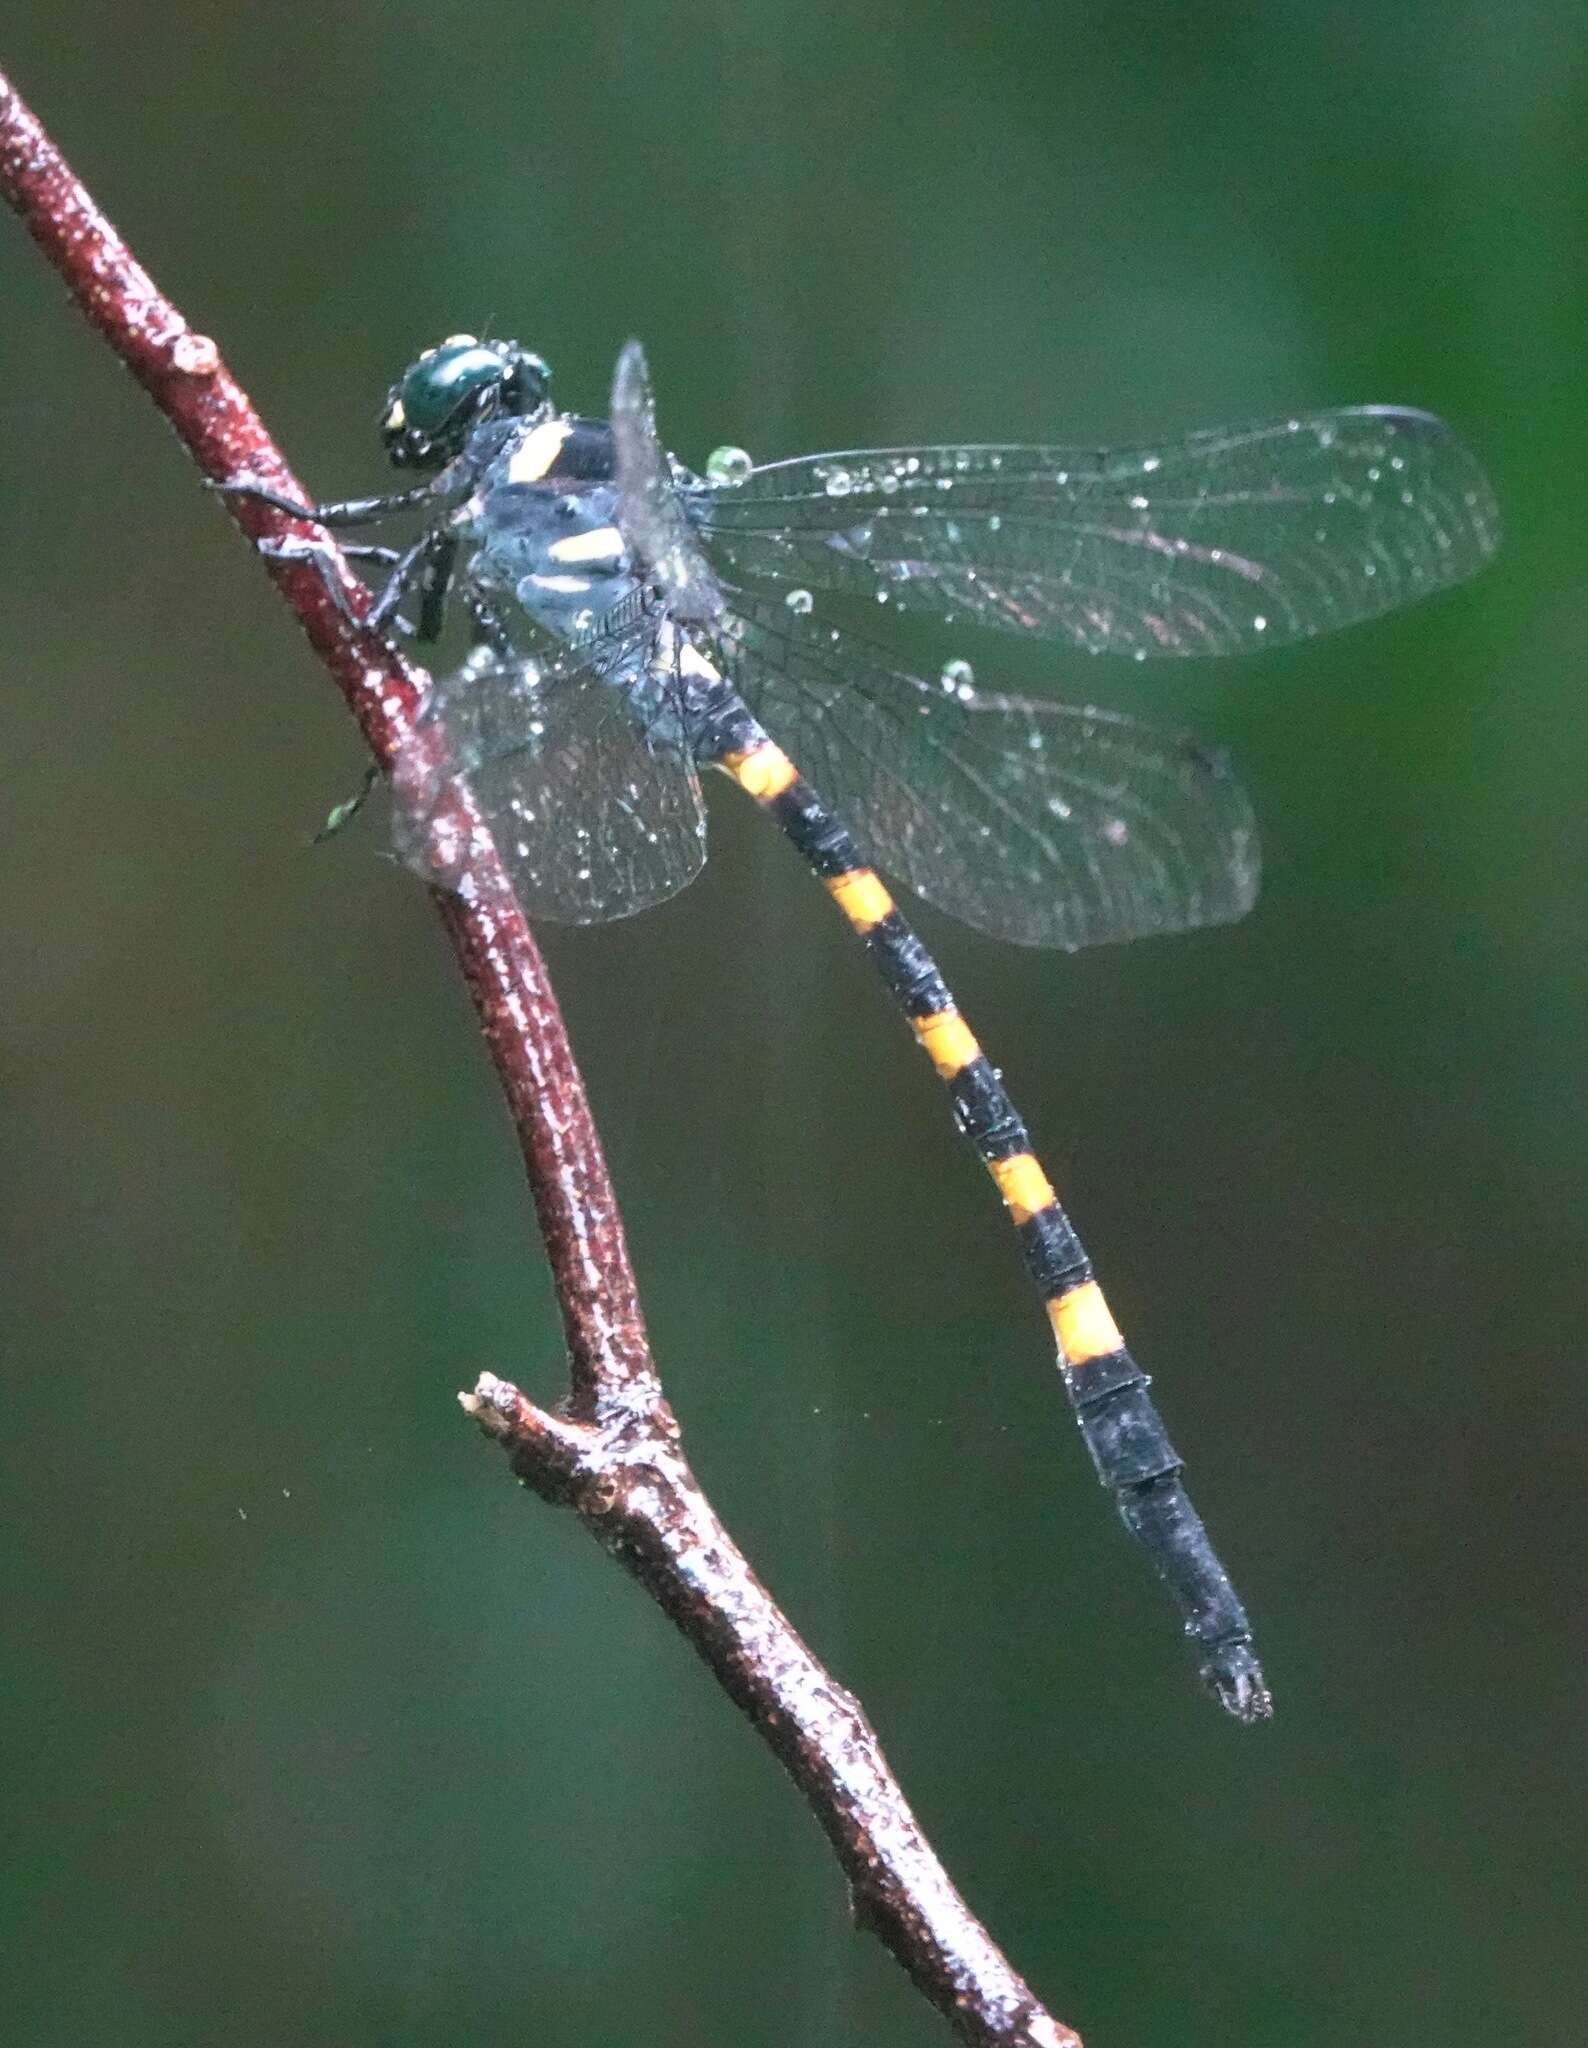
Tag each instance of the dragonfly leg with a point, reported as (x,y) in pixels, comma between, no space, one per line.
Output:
(336,511)
(435,580)
(410,567)
(1107,1389)
(317,553)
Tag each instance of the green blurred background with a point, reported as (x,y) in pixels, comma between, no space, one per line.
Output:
(324,1734)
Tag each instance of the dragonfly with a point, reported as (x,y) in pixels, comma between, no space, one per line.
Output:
(634,622)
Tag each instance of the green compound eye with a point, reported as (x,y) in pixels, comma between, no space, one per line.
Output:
(441,383)
(439,399)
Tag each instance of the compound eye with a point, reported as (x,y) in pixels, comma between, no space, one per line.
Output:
(444,383)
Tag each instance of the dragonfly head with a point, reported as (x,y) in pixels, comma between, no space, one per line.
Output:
(441,397)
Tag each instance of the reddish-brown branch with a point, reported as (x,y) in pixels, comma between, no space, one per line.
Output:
(638,1496)
(183,373)
(615,1455)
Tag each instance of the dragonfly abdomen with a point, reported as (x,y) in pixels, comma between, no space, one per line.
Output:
(1108,1391)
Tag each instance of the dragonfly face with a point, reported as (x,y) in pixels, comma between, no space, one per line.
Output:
(450,390)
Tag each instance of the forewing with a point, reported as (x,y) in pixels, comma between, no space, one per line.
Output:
(650,512)
(1037,822)
(591,818)
(1222,542)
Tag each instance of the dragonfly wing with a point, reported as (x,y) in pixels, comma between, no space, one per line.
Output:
(1221,542)
(592,817)
(1037,822)
(650,510)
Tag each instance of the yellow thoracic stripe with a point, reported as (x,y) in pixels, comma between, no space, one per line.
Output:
(762,772)
(1083,1325)
(949,1041)
(860,896)
(538,450)
(1025,1188)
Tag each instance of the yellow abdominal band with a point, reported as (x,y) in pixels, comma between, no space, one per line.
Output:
(1025,1188)
(1082,1324)
(949,1042)
(860,896)
(762,772)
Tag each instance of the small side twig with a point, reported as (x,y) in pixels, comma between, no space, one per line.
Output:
(615,1455)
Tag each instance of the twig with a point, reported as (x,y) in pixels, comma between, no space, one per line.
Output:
(615,1455)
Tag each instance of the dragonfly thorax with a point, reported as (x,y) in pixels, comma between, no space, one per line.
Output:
(544,522)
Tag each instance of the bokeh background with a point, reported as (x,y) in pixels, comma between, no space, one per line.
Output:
(321,1732)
